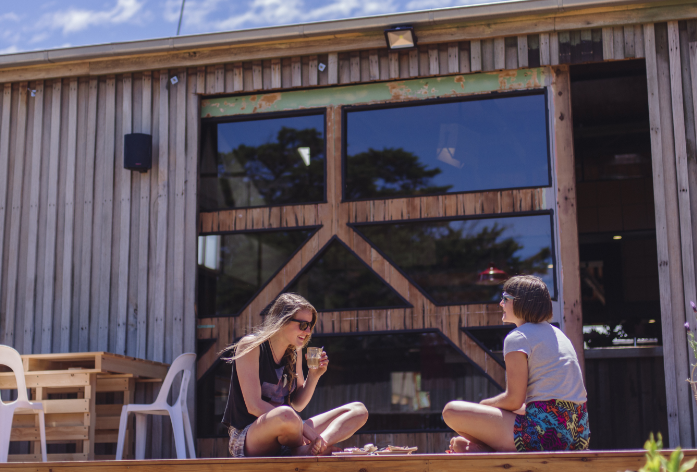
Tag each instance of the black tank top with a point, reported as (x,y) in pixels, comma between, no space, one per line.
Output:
(276,388)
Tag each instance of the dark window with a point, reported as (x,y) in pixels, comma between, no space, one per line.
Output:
(261,162)
(445,147)
(445,257)
(233,267)
(211,397)
(338,280)
(404,379)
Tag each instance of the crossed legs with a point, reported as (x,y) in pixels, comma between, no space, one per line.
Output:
(481,428)
(283,427)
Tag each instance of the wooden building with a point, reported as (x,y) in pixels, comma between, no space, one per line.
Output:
(99,258)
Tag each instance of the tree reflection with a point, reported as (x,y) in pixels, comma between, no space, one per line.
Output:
(386,173)
(445,258)
(274,172)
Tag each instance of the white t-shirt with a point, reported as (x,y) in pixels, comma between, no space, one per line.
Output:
(553,370)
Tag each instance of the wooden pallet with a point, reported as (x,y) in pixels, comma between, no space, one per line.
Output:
(67,385)
(600,461)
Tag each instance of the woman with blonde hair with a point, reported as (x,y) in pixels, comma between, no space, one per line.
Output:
(267,389)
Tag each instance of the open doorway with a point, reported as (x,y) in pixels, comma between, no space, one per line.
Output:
(617,252)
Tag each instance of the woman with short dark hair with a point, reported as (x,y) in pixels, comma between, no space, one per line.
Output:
(544,405)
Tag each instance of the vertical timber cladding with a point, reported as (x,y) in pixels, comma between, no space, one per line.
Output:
(335,215)
(670,124)
(79,253)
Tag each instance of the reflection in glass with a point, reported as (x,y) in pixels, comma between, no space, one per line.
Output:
(403,379)
(443,147)
(211,397)
(339,280)
(244,263)
(261,162)
(445,257)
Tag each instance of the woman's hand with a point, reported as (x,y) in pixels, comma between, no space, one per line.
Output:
(323,363)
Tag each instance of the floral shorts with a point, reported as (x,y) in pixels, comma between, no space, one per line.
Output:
(237,437)
(552,425)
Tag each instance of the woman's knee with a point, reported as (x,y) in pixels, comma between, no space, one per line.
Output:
(287,418)
(451,410)
(359,410)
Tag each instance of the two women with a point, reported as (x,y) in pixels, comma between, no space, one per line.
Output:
(543,407)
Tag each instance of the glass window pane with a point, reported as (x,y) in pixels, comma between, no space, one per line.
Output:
(410,378)
(245,262)
(445,257)
(455,146)
(260,162)
(339,280)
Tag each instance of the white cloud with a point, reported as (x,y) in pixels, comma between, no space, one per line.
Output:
(9,50)
(9,17)
(74,19)
(277,12)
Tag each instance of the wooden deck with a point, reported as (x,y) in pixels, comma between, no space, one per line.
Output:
(600,461)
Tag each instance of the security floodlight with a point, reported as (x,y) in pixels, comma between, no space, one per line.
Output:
(400,37)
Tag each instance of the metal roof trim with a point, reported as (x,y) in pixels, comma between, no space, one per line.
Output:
(287,32)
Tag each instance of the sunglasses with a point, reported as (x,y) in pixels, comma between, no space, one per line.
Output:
(505,297)
(304,325)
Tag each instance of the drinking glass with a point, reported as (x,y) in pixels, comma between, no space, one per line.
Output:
(313,356)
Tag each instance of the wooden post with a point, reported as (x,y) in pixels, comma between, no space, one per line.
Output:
(51,223)
(566,209)
(87,218)
(4,162)
(125,224)
(664,269)
(35,183)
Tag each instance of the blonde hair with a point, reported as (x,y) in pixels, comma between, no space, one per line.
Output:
(276,315)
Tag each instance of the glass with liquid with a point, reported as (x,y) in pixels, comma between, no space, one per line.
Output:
(313,356)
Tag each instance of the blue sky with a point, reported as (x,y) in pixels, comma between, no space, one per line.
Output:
(46,24)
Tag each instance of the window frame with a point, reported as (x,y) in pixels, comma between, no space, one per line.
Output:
(554,295)
(438,100)
(320,253)
(313,230)
(215,121)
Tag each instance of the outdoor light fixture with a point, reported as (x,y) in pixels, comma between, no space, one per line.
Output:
(491,276)
(400,37)
(617,237)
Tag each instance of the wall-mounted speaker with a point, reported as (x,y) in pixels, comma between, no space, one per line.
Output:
(137,152)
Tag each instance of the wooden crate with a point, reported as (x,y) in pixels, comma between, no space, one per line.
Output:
(68,385)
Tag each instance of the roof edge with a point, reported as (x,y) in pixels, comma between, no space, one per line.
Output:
(287,32)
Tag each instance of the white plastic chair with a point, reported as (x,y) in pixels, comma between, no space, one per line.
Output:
(11,358)
(178,412)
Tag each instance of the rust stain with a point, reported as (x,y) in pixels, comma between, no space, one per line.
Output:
(253,98)
(398,90)
(205,103)
(208,115)
(423,90)
(509,74)
(266,101)
(460,79)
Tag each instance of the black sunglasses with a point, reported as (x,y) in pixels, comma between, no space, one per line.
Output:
(303,325)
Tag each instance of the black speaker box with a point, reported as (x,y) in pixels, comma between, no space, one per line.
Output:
(137,152)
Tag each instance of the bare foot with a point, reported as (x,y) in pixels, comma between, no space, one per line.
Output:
(460,445)
(307,449)
(331,449)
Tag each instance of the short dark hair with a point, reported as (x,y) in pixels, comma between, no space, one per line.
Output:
(531,302)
